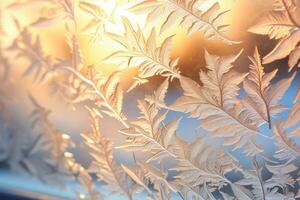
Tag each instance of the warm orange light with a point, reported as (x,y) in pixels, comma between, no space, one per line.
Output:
(54,40)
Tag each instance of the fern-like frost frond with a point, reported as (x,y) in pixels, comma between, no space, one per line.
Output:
(143,53)
(281,23)
(191,14)
(263,98)
(216,104)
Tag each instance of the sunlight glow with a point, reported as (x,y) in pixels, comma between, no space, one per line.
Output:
(176,101)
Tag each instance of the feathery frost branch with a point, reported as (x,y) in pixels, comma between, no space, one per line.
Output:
(216,104)
(263,97)
(103,165)
(144,53)
(282,23)
(195,15)
(160,142)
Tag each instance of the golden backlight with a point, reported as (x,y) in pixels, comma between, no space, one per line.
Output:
(242,14)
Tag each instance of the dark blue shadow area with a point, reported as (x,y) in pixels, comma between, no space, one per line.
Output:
(6,196)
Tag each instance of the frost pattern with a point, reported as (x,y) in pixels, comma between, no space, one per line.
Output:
(202,169)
